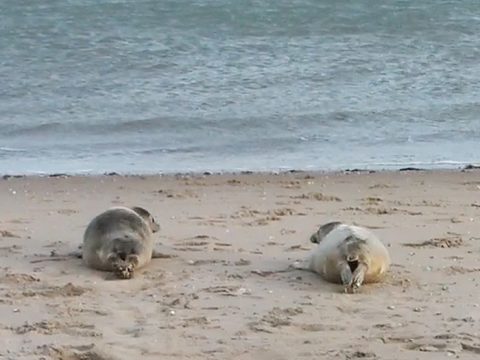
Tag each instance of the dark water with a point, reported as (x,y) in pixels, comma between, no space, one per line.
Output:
(166,86)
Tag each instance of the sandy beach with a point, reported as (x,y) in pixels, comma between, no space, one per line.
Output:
(225,288)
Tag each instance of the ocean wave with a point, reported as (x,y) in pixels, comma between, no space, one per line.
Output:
(12,150)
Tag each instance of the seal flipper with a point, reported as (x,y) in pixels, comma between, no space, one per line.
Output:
(76,254)
(323,231)
(113,259)
(120,267)
(133,260)
(157,254)
(125,268)
(345,274)
(358,276)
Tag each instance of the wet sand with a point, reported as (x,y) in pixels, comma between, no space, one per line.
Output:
(225,288)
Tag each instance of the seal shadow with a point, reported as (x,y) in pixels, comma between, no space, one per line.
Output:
(73,262)
(301,278)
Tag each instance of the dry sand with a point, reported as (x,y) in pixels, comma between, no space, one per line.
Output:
(226,291)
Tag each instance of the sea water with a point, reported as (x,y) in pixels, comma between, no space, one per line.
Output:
(145,86)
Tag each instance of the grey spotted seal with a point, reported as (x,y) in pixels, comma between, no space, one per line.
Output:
(348,254)
(119,240)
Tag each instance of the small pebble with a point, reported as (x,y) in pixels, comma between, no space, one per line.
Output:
(417,309)
(16,310)
(391,307)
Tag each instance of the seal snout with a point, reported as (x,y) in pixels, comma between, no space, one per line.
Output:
(351,258)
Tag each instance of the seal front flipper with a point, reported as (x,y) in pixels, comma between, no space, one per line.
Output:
(133,259)
(124,269)
(76,254)
(358,276)
(345,275)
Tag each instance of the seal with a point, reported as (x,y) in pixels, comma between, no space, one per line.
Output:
(119,240)
(348,254)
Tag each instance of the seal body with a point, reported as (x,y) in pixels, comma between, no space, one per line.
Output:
(349,255)
(119,240)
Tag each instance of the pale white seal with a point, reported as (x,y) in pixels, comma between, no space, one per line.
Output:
(348,254)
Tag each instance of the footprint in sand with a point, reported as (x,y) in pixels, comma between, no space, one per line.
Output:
(85,352)
(12,278)
(455,270)
(275,318)
(201,243)
(8,234)
(67,211)
(382,211)
(13,249)
(173,195)
(317,196)
(68,290)
(444,242)
(234,182)
(47,327)
(371,200)
(382,186)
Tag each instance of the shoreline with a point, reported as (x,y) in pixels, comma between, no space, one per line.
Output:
(242,172)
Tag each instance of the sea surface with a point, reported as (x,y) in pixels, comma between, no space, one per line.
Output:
(93,86)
